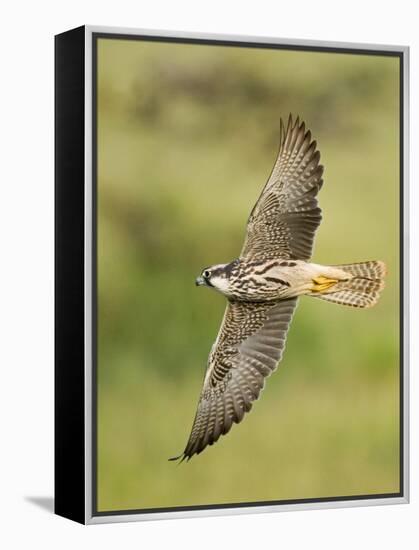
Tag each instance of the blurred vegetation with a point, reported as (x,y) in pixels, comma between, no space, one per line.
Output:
(187,136)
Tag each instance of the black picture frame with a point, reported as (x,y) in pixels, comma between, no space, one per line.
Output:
(76,281)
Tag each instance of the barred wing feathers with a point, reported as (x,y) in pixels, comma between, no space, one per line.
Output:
(248,348)
(285,218)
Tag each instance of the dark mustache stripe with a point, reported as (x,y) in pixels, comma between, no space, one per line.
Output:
(276,280)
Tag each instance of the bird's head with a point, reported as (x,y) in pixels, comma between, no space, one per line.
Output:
(217,277)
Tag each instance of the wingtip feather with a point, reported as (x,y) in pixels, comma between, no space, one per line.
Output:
(180,457)
(289,124)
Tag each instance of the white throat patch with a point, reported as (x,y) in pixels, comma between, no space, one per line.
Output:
(220,283)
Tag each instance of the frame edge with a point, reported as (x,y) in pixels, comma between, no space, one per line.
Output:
(69,271)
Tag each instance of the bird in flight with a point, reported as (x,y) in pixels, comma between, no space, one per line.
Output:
(263,284)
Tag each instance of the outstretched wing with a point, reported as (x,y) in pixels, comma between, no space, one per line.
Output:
(248,348)
(284,219)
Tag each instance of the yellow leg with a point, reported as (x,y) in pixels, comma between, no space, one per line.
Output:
(322,283)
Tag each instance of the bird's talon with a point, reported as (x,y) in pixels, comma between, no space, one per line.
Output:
(322,283)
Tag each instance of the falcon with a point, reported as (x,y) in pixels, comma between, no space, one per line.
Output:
(263,284)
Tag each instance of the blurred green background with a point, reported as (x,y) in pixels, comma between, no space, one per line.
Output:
(187,136)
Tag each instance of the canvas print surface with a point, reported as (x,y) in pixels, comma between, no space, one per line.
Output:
(301,396)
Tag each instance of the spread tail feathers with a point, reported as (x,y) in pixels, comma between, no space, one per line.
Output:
(363,287)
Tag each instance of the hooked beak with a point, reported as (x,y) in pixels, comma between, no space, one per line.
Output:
(200,281)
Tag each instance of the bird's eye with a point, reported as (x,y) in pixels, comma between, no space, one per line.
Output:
(206,274)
